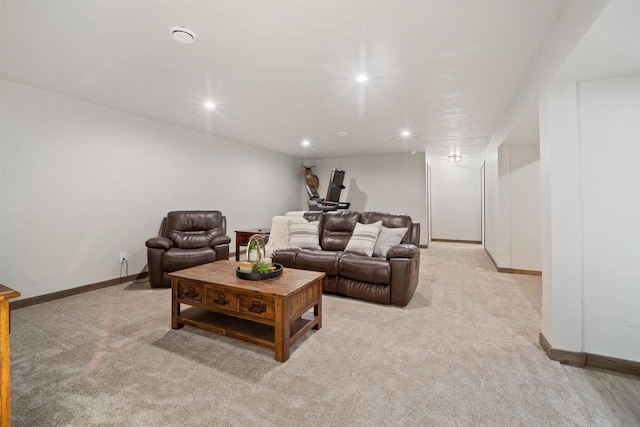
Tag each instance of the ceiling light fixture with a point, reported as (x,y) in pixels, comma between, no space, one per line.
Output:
(210,105)
(455,158)
(342,133)
(406,133)
(362,78)
(182,35)
(306,143)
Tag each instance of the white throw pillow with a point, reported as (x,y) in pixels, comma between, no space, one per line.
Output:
(388,238)
(304,235)
(364,238)
(297,214)
(279,236)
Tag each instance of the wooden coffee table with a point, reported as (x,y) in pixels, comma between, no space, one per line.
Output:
(264,312)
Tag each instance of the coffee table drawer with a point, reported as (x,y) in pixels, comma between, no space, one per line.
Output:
(191,292)
(258,307)
(221,299)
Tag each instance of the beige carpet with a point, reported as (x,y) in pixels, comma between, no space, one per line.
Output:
(464,352)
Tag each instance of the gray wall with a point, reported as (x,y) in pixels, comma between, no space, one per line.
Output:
(389,182)
(80,183)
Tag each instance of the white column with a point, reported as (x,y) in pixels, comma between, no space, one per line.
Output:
(561,217)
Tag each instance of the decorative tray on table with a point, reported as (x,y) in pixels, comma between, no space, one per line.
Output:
(257,267)
(277,271)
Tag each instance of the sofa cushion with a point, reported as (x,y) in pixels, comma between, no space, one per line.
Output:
(363,239)
(365,269)
(324,261)
(193,229)
(390,220)
(176,259)
(337,228)
(380,294)
(286,257)
(388,238)
(304,235)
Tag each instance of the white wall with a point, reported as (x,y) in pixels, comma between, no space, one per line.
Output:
(492,217)
(389,183)
(80,183)
(526,246)
(519,226)
(590,171)
(513,213)
(609,123)
(455,199)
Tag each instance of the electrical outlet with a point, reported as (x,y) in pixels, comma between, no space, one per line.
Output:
(123,257)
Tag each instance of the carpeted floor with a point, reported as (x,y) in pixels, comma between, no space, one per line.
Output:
(464,352)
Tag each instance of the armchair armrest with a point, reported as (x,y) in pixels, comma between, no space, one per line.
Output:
(159,243)
(404,250)
(219,240)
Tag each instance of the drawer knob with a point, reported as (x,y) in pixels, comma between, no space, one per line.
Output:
(191,292)
(257,308)
(220,300)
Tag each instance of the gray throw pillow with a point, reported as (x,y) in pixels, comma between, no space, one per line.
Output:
(388,238)
(305,235)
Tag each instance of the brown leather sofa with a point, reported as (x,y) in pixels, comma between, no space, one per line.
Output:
(390,280)
(187,239)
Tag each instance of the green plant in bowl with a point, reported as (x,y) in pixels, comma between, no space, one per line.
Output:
(261,267)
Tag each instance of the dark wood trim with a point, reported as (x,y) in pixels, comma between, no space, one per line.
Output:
(612,364)
(477,242)
(27,302)
(512,270)
(527,272)
(562,356)
(590,360)
(423,246)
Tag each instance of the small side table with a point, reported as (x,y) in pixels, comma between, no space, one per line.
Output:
(243,236)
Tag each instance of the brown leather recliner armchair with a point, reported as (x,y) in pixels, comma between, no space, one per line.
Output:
(187,239)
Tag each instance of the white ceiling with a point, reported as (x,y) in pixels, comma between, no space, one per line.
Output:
(610,48)
(284,71)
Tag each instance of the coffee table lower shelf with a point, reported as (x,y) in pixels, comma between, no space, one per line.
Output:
(246,330)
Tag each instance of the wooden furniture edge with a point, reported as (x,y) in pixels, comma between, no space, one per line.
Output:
(6,293)
(590,360)
(27,302)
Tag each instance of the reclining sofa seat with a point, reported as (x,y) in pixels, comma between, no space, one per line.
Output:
(390,280)
(187,239)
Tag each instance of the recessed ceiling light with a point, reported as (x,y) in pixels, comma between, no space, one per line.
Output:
(210,105)
(362,78)
(342,133)
(406,133)
(306,143)
(182,35)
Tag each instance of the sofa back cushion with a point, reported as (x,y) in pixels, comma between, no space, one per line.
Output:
(337,229)
(193,229)
(390,220)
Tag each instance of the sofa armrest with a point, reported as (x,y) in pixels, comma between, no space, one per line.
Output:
(159,243)
(219,240)
(404,250)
